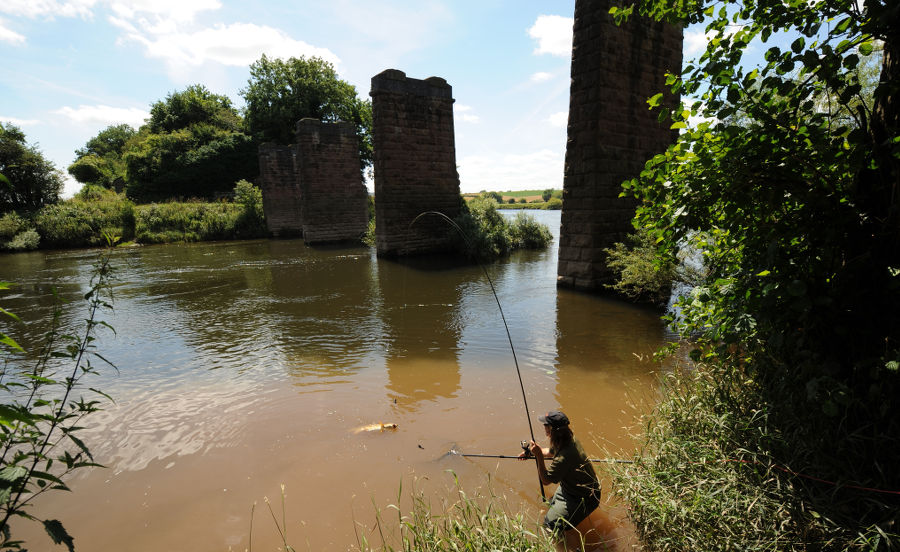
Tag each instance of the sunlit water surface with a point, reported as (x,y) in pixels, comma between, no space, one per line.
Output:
(243,366)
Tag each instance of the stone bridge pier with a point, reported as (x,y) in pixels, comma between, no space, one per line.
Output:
(415,163)
(611,132)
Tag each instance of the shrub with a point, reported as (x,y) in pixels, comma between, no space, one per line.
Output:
(555,204)
(187,222)
(252,220)
(10,225)
(527,233)
(641,274)
(84,223)
(24,241)
(486,231)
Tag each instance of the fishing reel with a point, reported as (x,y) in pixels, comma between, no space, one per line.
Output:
(525,446)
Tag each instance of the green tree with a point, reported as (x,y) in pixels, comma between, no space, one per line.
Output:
(191,146)
(281,92)
(29,180)
(547,194)
(795,211)
(100,162)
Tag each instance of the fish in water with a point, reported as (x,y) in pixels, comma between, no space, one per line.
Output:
(381,427)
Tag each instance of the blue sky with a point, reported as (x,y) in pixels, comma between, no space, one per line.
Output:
(73,67)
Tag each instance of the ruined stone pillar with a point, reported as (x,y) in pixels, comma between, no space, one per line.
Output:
(280,189)
(332,193)
(415,163)
(611,132)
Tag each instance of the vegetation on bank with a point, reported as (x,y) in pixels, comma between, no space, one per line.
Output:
(481,233)
(782,430)
(522,199)
(96,212)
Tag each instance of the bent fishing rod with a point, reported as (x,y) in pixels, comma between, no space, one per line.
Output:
(506,457)
(505,326)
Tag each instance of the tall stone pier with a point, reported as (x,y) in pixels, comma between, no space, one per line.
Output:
(280,189)
(333,196)
(611,133)
(314,188)
(415,163)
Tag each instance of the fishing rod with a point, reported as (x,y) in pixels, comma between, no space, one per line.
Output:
(503,456)
(505,326)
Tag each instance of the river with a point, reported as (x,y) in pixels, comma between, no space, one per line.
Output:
(243,366)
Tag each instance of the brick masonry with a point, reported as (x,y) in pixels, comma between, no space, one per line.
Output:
(333,196)
(280,189)
(415,163)
(611,132)
(314,188)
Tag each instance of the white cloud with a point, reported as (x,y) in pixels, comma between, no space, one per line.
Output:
(238,44)
(497,171)
(8,35)
(554,35)
(104,115)
(462,112)
(47,8)
(559,119)
(695,42)
(541,76)
(19,122)
(165,10)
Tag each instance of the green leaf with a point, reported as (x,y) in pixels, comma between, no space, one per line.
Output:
(654,101)
(9,414)
(58,533)
(13,473)
(865,48)
(9,342)
(679,124)
(763,273)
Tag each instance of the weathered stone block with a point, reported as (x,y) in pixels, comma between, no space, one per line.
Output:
(415,163)
(611,132)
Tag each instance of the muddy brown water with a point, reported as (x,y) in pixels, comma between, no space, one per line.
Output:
(245,366)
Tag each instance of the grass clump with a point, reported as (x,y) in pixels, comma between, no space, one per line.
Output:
(717,472)
(473,523)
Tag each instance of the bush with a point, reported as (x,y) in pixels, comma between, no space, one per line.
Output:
(191,222)
(527,233)
(78,223)
(555,204)
(10,225)
(641,274)
(24,241)
(252,220)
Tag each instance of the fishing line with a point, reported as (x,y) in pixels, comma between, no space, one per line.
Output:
(502,316)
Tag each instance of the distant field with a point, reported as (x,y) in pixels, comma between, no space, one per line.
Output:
(529,195)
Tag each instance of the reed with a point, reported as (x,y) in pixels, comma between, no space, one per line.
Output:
(476,523)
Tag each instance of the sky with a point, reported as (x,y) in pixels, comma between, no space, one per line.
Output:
(73,67)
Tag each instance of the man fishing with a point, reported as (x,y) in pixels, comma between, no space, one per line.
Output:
(579,489)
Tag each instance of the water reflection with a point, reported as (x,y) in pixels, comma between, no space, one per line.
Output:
(604,354)
(422,329)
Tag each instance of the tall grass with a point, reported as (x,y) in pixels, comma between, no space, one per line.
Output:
(718,472)
(475,523)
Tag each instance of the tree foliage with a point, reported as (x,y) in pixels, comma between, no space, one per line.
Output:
(100,162)
(29,180)
(281,92)
(191,146)
(789,188)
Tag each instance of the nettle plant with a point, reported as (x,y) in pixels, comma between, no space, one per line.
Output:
(45,402)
